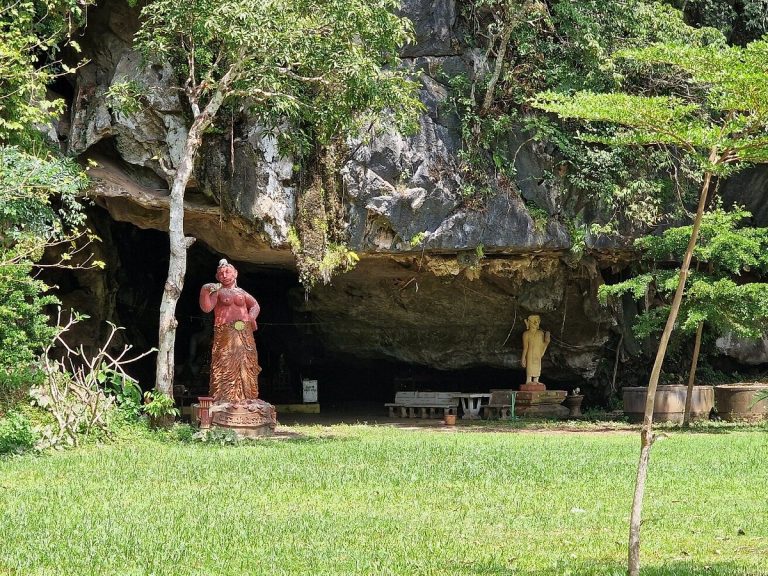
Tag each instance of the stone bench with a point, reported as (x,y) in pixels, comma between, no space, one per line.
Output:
(501,406)
(423,405)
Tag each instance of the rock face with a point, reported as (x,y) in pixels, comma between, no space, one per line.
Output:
(444,312)
(750,352)
(441,283)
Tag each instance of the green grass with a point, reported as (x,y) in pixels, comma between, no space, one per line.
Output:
(374,500)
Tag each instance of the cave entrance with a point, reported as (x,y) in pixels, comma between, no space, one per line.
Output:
(290,345)
(142,269)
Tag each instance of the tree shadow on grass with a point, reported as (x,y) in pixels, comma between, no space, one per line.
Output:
(676,568)
(600,426)
(292,437)
(718,428)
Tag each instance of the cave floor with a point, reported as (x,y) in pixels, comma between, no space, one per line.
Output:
(375,414)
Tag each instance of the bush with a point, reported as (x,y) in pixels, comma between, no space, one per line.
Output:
(15,384)
(16,434)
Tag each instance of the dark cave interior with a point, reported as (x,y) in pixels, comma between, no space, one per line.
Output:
(289,347)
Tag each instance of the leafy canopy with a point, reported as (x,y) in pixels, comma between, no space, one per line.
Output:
(723,127)
(567,46)
(318,63)
(716,293)
(29,45)
(38,188)
(730,120)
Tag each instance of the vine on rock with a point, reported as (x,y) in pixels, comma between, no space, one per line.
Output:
(319,239)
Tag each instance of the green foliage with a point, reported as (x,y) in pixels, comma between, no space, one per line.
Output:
(29,49)
(730,120)
(15,382)
(159,405)
(16,434)
(578,236)
(566,46)
(218,437)
(125,389)
(23,325)
(612,189)
(740,22)
(28,223)
(337,258)
(539,216)
(28,183)
(37,189)
(328,67)
(715,293)
(486,150)
(125,97)
(755,16)
(590,32)
(417,239)
(726,245)
(183,432)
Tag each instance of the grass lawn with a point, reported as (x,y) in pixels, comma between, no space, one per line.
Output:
(381,500)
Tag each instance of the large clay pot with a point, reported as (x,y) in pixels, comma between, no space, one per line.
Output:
(735,401)
(669,404)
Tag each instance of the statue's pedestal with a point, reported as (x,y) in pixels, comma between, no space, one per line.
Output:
(535,401)
(250,419)
(532,387)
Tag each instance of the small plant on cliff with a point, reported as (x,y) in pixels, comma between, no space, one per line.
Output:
(720,125)
(325,67)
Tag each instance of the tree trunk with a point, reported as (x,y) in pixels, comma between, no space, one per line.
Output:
(646,432)
(177,263)
(505,36)
(692,376)
(177,266)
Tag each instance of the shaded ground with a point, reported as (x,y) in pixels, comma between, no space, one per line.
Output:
(374,414)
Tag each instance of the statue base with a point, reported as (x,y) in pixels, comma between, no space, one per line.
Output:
(249,419)
(532,387)
(540,403)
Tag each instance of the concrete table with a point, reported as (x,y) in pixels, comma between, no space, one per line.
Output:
(471,404)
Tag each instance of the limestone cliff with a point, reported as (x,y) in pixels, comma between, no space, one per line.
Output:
(443,283)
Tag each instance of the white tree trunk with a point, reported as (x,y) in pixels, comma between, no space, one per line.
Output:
(177,263)
(646,432)
(177,268)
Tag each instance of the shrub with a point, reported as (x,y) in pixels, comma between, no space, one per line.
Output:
(16,434)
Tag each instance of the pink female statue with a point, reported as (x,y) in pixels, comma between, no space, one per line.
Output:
(234,360)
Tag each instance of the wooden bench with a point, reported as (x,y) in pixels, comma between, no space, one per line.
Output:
(501,406)
(423,404)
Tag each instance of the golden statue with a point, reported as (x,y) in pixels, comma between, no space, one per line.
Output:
(535,342)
